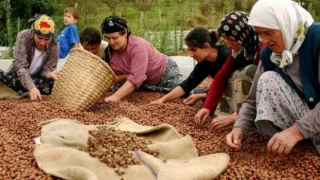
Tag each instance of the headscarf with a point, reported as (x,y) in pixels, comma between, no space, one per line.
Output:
(43,25)
(113,24)
(287,16)
(235,26)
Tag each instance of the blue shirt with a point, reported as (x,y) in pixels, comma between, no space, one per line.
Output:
(67,38)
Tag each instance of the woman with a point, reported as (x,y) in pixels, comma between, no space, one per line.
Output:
(238,70)
(284,100)
(136,62)
(35,59)
(210,57)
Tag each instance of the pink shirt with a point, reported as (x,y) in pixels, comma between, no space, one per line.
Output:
(141,61)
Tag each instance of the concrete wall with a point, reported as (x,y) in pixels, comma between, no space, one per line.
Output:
(4,52)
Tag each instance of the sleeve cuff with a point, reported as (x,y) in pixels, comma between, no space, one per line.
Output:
(44,74)
(31,86)
(302,130)
(134,83)
(237,126)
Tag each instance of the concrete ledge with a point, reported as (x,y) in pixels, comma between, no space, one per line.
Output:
(4,52)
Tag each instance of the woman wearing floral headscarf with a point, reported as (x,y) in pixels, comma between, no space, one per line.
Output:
(236,73)
(284,99)
(35,59)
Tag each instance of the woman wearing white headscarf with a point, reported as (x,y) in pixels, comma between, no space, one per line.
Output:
(283,102)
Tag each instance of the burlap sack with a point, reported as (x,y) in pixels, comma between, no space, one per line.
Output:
(7,93)
(62,141)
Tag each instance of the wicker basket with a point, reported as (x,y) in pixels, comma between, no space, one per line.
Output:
(82,81)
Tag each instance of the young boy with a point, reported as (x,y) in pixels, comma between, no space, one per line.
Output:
(69,36)
(90,39)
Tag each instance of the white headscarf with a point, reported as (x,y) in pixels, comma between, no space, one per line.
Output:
(287,16)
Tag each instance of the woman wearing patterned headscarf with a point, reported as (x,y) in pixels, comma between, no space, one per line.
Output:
(35,59)
(284,99)
(136,63)
(234,79)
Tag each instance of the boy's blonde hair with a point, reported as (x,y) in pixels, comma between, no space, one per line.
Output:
(75,12)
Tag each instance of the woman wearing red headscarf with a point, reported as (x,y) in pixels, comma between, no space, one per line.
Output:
(35,59)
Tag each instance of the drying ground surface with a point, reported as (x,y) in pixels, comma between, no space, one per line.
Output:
(19,121)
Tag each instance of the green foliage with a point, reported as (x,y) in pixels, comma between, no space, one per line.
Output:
(143,6)
(123,4)
(314,8)
(163,37)
(10,40)
(28,8)
(206,7)
(182,23)
(171,17)
(89,13)
(19,12)
(112,5)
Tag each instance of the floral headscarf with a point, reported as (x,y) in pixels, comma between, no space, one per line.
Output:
(43,25)
(235,26)
(287,16)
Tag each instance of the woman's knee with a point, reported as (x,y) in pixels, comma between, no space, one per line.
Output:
(270,79)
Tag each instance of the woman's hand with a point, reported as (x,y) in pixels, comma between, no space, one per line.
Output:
(192,100)
(53,74)
(111,98)
(35,94)
(282,143)
(234,138)
(121,78)
(202,115)
(159,101)
(223,121)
